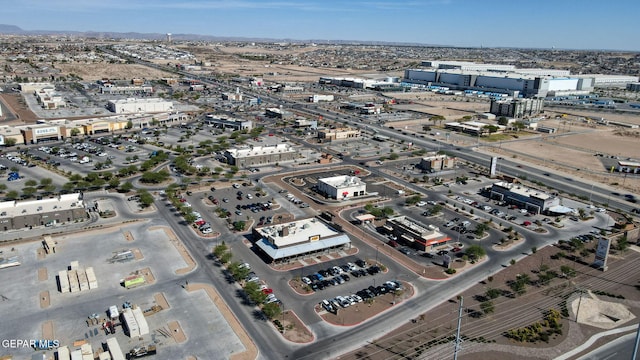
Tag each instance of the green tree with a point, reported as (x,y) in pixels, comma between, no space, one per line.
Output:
(114,183)
(475,252)
(3,187)
(154,177)
(487,307)
(503,121)
(9,142)
(12,195)
(45,181)
(481,229)
(126,187)
(146,199)
(239,225)
(492,293)
(237,271)
(31,183)
(220,249)
(129,125)
(28,191)
(226,257)
(271,310)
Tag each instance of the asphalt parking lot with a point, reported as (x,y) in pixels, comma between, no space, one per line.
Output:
(23,317)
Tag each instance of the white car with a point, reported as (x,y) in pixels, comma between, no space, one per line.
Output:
(421,203)
(306,280)
(207,231)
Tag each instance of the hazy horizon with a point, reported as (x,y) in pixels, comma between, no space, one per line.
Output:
(542,24)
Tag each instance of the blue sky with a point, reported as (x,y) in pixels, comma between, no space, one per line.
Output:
(574,24)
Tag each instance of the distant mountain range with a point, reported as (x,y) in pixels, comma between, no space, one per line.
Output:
(16,30)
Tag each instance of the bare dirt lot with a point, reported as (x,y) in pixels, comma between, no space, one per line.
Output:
(429,335)
(93,72)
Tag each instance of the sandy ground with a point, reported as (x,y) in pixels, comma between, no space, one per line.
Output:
(17,106)
(251,350)
(137,254)
(48,330)
(573,154)
(177,333)
(162,301)
(45,300)
(607,115)
(42,274)
(128,236)
(93,72)
(294,329)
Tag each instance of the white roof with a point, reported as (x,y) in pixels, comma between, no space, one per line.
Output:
(279,253)
(523,190)
(10,209)
(342,181)
(299,231)
(260,150)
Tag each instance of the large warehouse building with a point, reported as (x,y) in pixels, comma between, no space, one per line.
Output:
(299,239)
(342,187)
(133,105)
(507,79)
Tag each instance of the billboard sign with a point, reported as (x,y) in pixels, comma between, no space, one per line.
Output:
(602,252)
(45,131)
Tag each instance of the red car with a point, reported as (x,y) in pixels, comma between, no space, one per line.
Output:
(267,291)
(456,249)
(200,222)
(215,201)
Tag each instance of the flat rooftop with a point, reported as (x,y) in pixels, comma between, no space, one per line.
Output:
(296,232)
(523,190)
(342,181)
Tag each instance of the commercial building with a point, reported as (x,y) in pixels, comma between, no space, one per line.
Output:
(436,163)
(24,214)
(260,155)
(306,123)
(10,132)
(381,82)
(631,87)
(278,113)
(299,239)
(517,108)
(317,98)
(342,187)
(49,99)
(629,167)
(474,128)
(338,134)
(535,201)
(113,89)
(227,123)
(133,105)
(466,65)
(415,235)
(35,86)
(606,80)
(40,132)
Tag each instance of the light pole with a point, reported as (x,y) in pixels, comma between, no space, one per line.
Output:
(377,247)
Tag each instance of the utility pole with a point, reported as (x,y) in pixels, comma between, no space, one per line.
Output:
(635,347)
(458,347)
